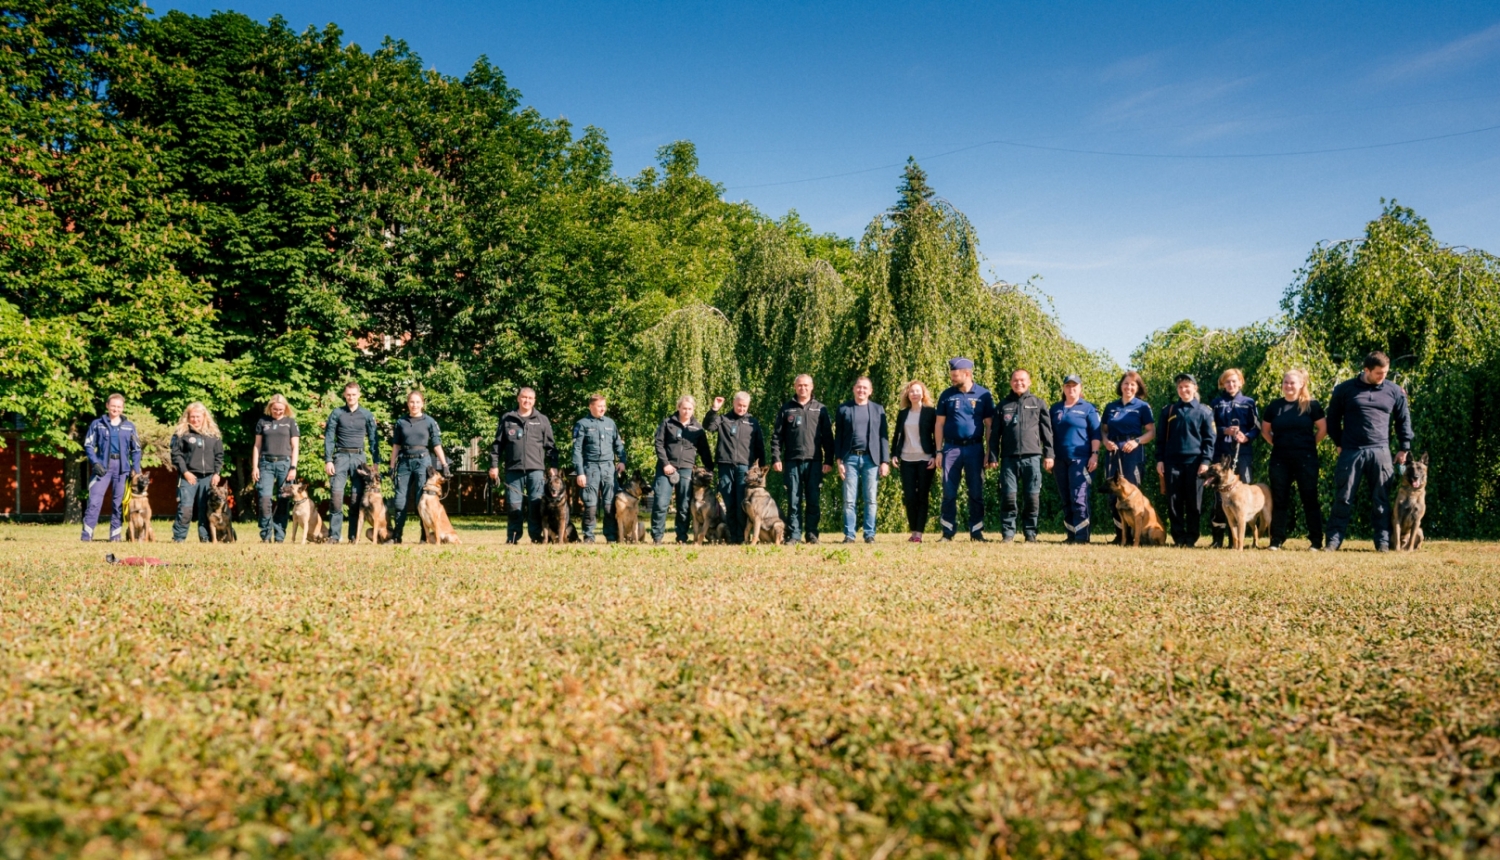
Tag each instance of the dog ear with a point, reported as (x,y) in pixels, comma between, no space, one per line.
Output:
(1423,461)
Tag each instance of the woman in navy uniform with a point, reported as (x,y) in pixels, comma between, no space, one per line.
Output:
(1128,425)
(1237,419)
(1182,456)
(1075,436)
(113,448)
(1293,424)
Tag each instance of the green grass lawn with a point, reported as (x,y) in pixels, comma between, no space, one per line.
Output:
(885,701)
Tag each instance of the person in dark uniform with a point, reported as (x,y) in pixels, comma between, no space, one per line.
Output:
(415,446)
(681,442)
(1182,456)
(738,445)
(524,444)
(113,449)
(1128,424)
(804,433)
(344,437)
(1293,425)
(863,447)
(914,449)
(1360,415)
(198,457)
(598,457)
(1075,434)
(273,462)
(1237,419)
(965,411)
(1022,443)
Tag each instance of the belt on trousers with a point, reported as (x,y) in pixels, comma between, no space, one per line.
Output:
(274,458)
(349,450)
(972,440)
(413,452)
(860,453)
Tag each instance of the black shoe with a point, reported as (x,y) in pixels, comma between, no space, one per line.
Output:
(869,539)
(978,537)
(1007,538)
(1031,539)
(848,540)
(812,538)
(790,541)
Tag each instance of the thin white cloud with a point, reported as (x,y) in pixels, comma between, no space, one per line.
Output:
(1461,51)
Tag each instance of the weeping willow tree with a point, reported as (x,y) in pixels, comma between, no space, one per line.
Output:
(790,314)
(690,351)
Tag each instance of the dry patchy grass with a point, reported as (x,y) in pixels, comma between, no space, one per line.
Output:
(894,701)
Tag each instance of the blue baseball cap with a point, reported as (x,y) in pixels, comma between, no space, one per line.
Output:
(960,364)
(1072,379)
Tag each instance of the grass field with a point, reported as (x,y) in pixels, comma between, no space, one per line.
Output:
(886,701)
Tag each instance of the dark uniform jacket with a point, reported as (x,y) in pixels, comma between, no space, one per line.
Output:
(351,430)
(802,433)
(926,425)
(1022,428)
(681,445)
(596,440)
(739,441)
(879,441)
(523,442)
(415,435)
(1360,414)
(1229,411)
(194,452)
(96,443)
(1185,434)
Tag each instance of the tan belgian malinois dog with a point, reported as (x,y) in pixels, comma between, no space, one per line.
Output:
(1142,525)
(628,503)
(1245,505)
(139,527)
(430,508)
(762,517)
(1410,506)
(372,508)
(305,523)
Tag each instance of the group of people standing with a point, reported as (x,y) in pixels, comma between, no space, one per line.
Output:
(958,436)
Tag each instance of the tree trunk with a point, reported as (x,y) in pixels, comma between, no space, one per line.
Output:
(75,485)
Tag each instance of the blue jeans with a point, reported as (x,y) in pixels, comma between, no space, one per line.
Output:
(804,486)
(732,491)
(523,499)
(861,481)
(192,504)
(1020,475)
(268,488)
(663,495)
(411,475)
(966,463)
(344,466)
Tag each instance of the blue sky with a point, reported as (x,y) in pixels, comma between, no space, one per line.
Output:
(813,107)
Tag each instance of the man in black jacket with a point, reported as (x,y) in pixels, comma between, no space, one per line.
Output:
(804,434)
(1021,440)
(738,446)
(1360,414)
(681,442)
(1184,449)
(525,445)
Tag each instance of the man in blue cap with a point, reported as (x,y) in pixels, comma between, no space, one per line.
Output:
(964,414)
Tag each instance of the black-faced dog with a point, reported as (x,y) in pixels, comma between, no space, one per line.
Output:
(762,517)
(708,513)
(139,527)
(372,508)
(220,515)
(557,508)
(633,493)
(1409,507)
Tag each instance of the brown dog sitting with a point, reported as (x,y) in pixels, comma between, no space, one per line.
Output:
(556,509)
(762,517)
(708,513)
(1245,505)
(1142,525)
(372,508)
(1410,506)
(220,514)
(430,508)
(632,494)
(138,528)
(305,523)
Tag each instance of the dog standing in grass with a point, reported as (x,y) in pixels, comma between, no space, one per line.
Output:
(1245,505)
(762,518)
(430,508)
(305,523)
(1141,525)
(220,514)
(1410,507)
(139,526)
(708,513)
(372,508)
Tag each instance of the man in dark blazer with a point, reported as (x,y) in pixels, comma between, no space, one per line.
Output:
(862,446)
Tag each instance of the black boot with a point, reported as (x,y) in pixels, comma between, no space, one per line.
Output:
(1119,534)
(1218,538)
(513,527)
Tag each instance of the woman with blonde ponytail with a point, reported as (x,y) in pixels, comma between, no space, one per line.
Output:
(1293,424)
